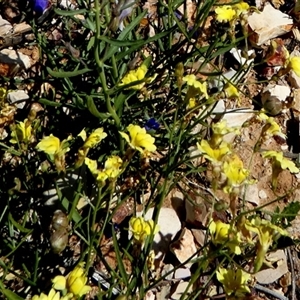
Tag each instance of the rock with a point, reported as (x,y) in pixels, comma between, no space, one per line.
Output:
(236,118)
(180,289)
(13,57)
(182,273)
(252,194)
(18,98)
(184,248)
(5,27)
(273,98)
(267,276)
(196,212)
(12,61)
(199,236)
(268,24)
(262,194)
(294,80)
(276,92)
(220,107)
(169,225)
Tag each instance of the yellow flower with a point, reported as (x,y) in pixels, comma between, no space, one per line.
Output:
(53,295)
(59,282)
(234,282)
(141,228)
(241,8)
(279,161)
(95,138)
(21,132)
(139,139)
(231,91)
(112,166)
(69,296)
(214,155)
(220,128)
(235,173)
(50,145)
(271,128)
(267,233)
(135,75)
(222,233)
(195,86)
(92,165)
(76,281)
(294,64)
(225,13)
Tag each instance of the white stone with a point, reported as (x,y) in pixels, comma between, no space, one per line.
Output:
(220,107)
(268,24)
(251,194)
(181,288)
(275,92)
(18,98)
(262,194)
(236,118)
(269,275)
(169,225)
(237,54)
(182,273)
(5,27)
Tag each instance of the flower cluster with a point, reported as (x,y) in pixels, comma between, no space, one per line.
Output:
(22,132)
(72,286)
(112,168)
(137,75)
(224,164)
(139,139)
(141,228)
(92,141)
(195,87)
(279,163)
(271,127)
(256,233)
(227,13)
(224,234)
(234,282)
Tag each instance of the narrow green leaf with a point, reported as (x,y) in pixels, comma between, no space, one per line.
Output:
(123,34)
(93,109)
(70,13)
(10,295)
(49,102)
(121,266)
(62,74)
(17,225)
(91,43)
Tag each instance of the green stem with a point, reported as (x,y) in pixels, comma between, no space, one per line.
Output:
(109,107)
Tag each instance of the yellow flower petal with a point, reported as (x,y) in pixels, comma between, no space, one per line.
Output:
(95,138)
(139,139)
(49,144)
(59,282)
(225,13)
(294,64)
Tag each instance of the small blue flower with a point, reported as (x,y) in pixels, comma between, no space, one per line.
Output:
(152,124)
(39,6)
